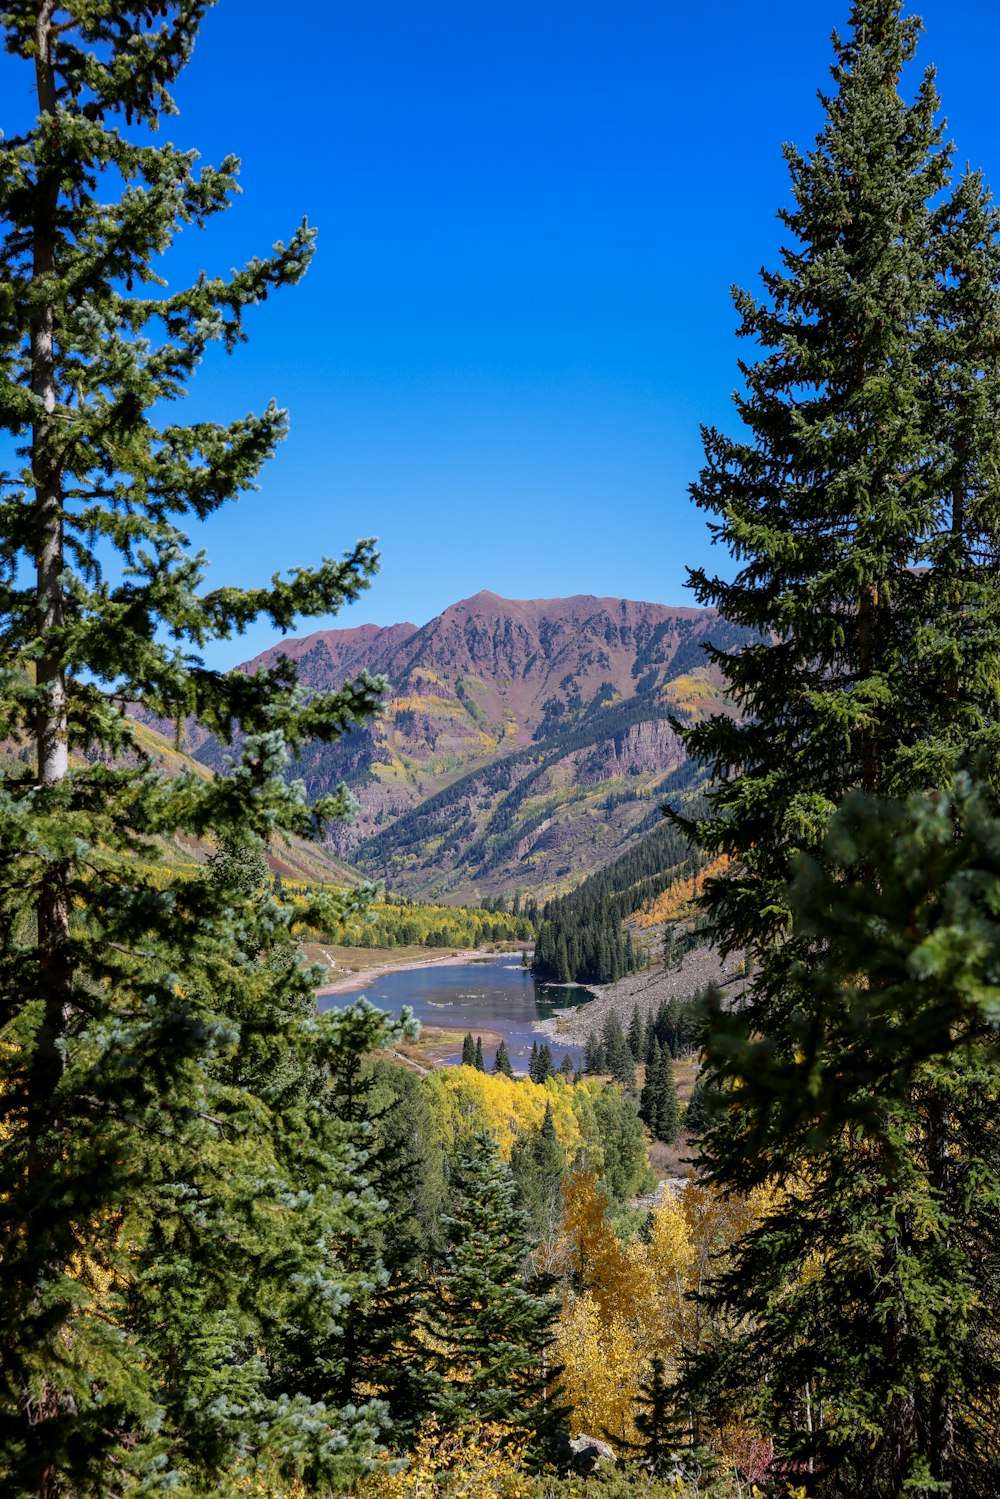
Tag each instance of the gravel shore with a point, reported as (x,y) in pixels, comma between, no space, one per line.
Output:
(646,989)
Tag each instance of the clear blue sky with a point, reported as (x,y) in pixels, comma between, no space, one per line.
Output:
(529,217)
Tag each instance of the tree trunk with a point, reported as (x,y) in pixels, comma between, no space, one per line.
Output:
(51,728)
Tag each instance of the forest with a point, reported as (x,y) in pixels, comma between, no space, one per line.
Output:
(250,1249)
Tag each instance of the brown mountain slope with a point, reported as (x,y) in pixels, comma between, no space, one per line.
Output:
(524,743)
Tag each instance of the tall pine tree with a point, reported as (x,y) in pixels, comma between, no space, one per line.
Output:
(170,1192)
(863,509)
(489,1332)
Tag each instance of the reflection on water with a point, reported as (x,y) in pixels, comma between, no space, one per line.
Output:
(495,995)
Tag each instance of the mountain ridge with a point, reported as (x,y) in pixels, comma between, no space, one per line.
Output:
(524,742)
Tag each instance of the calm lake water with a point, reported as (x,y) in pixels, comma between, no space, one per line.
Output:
(495,995)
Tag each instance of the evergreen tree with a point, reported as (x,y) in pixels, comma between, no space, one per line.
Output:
(164,1205)
(566,1067)
(501,1062)
(655,1421)
(625,1166)
(538,1163)
(468,1051)
(648,1099)
(649,1038)
(618,1056)
(477,1060)
(696,1115)
(489,1332)
(636,1035)
(658,1106)
(668,1111)
(864,509)
(540,1067)
(593,1055)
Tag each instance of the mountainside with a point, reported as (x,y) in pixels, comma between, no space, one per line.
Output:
(524,743)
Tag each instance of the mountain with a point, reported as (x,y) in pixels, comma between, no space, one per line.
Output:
(524,743)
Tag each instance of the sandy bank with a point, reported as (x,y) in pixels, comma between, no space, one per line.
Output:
(364,977)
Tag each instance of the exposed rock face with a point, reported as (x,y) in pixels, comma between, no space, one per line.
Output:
(642,748)
(525,742)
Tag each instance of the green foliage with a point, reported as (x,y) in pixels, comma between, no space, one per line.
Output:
(173,1184)
(490,1331)
(861,503)
(617,1056)
(656,1422)
(538,1163)
(502,1062)
(540,1065)
(697,1115)
(659,1109)
(581,943)
(625,1169)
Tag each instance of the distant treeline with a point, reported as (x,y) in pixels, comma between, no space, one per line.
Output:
(644,871)
(580,937)
(399,922)
(582,943)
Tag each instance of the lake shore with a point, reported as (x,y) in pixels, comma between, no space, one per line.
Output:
(437,1043)
(363,977)
(646,990)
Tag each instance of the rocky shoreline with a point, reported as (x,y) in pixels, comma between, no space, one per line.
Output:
(647,989)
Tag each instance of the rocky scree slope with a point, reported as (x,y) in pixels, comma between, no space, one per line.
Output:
(524,744)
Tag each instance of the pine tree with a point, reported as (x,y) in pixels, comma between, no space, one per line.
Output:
(501,1062)
(649,1038)
(490,1333)
(655,1421)
(696,1115)
(593,1055)
(863,508)
(477,1059)
(169,1190)
(668,1112)
(648,1100)
(636,1035)
(617,1054)
(566,1067)
(538,1163)
(563,974)
(468,1051)
(658,1106)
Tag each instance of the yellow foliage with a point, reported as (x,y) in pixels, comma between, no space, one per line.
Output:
(633,1301)
(597,1262)
(694,693)
(261,1486)
(464,1100)
(672,902)
(476,1462)
(602,1357)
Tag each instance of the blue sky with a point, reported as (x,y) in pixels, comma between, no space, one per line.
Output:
(529,217)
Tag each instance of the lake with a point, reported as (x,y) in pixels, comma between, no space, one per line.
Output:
(496,994)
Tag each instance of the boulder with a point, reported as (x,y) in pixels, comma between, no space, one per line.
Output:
(587,1454)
